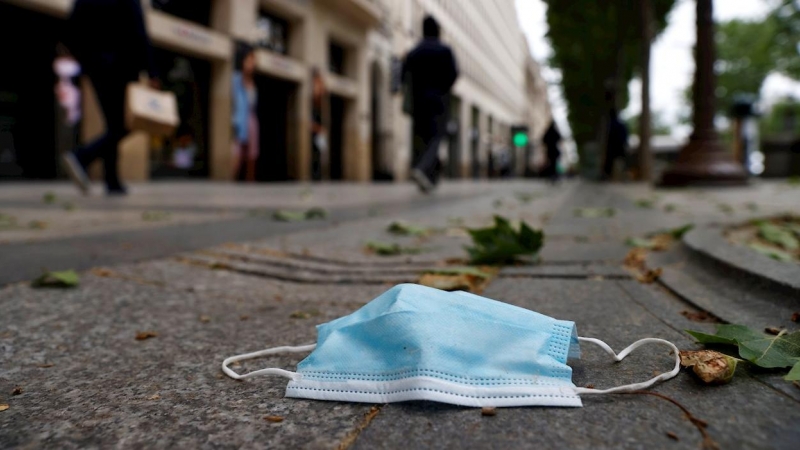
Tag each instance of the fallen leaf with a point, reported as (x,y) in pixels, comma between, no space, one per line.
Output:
(710,366)
(273,419)
(672,436)
(794,374)
(636,259)
(649,276)
(669,207)
(502,244)
(244,317)
(401,228)
(751,206)
(102,272)
(155,216)
(304,314)
(285,215)
(3,407)
(645,203)
(774,253)
(450,282)
(59,279)
(778,235)
(699,316)
(154,397)
(590,386)
(218,265)
(525,197)
(205,319)
(769,352)
(390,248)
(17,391)
(773,330)
(593,213)
(37,225)
(7,222)
(278,298)
(45,365)
(49,197)
(488,411)
(142,335)
(68,206)
(725,208)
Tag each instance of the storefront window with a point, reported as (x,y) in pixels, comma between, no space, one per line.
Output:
(273,33)
(197,11)
(336,58)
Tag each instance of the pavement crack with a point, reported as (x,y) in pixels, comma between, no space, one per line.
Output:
(351,437)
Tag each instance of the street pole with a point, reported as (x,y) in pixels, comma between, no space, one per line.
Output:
(645,120)
(703,161)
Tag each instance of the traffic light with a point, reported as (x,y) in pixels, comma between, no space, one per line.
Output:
(519,136)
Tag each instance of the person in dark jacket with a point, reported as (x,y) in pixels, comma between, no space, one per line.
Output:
(429,71)
(109,39)
(617,143)
(551,140)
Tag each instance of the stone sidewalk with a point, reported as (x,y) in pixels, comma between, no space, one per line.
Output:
(87,382)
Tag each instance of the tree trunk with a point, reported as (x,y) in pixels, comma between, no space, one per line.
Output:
(645,120)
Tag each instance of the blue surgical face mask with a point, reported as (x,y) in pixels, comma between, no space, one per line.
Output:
(419,343)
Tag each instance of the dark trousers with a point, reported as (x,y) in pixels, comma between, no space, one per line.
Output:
(428,134)
(110,90)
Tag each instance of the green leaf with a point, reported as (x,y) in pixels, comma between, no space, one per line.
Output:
(772,252)
(391,248)
(401,228)
(525,197)
(593,213)
(678,233)
(155,216)
(726,208)
(7,221)
(640,243)
(62,279)
(765,351)
(794,374)
(49,198)
(502,244)
(645,203)
(458,270)
(778,235)
(316,213)
(285,215)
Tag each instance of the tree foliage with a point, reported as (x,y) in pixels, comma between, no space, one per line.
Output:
(595,41)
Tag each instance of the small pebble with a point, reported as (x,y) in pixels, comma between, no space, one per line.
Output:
(17,390)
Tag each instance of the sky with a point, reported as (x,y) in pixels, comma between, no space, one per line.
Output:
(672,62)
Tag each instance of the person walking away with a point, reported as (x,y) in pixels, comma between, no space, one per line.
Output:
(245,120)
(110,41)
(429,72)
(617,143)
(552,139)
(319,140)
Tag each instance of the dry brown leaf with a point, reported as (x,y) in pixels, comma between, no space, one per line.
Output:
(672,436)
(488,411)
(3,407)
(649,276)
(154,397)
(244,317)
(45,365)
(142,335)
(699,316)
(103,272)
(459,282)
(17,391)
(710,366)
(635,259)
(590,386)
(205,319)
(273,419)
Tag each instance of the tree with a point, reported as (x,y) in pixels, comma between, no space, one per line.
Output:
(596,44)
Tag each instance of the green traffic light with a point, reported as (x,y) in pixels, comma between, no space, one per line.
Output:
(520,139)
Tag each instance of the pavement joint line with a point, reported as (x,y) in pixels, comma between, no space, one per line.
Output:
(565,276)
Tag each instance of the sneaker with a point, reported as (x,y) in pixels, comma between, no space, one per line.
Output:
(116,190)
(423,182)
(76,172)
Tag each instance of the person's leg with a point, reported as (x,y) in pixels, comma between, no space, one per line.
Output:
(110,90)
(432,138)
(253,149)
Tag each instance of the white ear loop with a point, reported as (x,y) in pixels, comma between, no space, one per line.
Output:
(622,355)
(270,371)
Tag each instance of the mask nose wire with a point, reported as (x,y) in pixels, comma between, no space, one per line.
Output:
(270,371)
(626,352)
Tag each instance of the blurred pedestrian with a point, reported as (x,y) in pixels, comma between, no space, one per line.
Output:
(429,72)
(552,140)
(617,143)
(319,136)
(245,119)
(109,39)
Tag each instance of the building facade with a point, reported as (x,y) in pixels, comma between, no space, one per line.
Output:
(357,46)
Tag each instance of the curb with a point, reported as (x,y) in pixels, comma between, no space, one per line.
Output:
(709,241)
